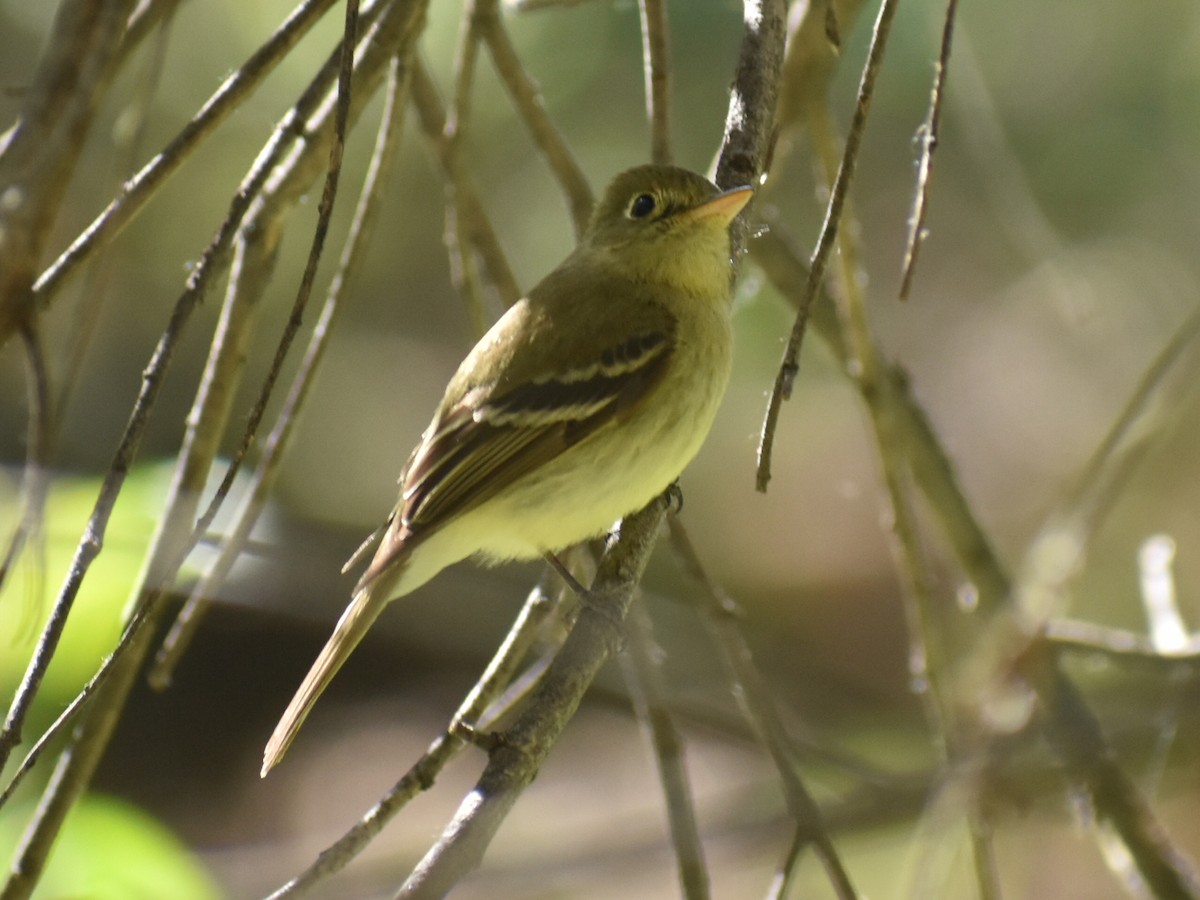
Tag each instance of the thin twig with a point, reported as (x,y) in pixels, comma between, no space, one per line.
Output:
(423,774)
(38,156)
(78,703)
(656,63)
(785,873)
(127,149)
(929,662)
(515,759)
(930,132)
(275,201)
(527,99)
(34,484)
(473,221)
(142,186)
(464,273)
(789,366)
(1120,646)
(147,16)
(643,676)
(78,762)
(721,617)
(357,240)
(783,263)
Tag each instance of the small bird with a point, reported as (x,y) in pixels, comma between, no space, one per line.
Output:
(583,403)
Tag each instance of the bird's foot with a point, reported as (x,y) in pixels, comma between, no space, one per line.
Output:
(672,497)
(589,597)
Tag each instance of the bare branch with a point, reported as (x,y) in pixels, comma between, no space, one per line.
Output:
(39,153)
(518,755)
(78,762)
(656,61)
(500,672)
(142,186)
(720,615)
(643,676)
(527,98)
(833,214)
(472,220)
(929,141)
(232,545)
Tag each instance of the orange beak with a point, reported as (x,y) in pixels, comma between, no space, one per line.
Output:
(722,207)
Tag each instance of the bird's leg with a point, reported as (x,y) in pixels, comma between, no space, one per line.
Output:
(673,497)
(586,596)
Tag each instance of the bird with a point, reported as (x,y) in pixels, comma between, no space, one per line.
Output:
(584,402)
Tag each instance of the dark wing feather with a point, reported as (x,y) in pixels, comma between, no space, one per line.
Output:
(490,439)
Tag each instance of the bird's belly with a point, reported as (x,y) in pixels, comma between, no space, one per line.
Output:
(583,492)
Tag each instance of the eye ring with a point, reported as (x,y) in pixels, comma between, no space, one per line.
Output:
(642,206)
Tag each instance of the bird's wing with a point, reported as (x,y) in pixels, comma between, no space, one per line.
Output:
(491,438)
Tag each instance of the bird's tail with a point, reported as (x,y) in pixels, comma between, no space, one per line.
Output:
(364,608)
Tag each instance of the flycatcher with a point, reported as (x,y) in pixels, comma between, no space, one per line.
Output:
(581,404)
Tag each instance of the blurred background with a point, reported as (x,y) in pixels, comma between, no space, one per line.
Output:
(1061,258)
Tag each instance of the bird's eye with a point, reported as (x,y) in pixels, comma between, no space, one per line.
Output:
(641,206)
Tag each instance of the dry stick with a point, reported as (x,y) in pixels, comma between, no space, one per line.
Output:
(930,132)
(39,154)
(126,150)
(42,421)
(272,207)
(721,616)
(464,273)
(1120,646)
(516,757)
(656,60)
(67,717)
(481,235)
(421,776)
(79,760)
(142,21)
(37,157)
(138,190)
(789,366)
(235,541)
(212,262)
(514,760)
(643,676)
(1070,726)
(34,484)
(527,99)
(783,262)
(785,874)
(928,659)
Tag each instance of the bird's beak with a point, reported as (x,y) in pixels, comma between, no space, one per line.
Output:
(722,207)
